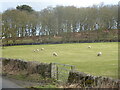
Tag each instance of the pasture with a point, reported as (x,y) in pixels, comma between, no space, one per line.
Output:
(85,59)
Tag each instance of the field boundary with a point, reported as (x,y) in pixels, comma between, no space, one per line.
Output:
(16,66)
(96,41)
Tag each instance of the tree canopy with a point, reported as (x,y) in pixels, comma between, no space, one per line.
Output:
(25,8)
(58,20)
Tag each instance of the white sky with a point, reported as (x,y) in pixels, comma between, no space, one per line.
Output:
(40,4)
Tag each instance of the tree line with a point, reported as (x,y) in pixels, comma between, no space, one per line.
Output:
(55,21)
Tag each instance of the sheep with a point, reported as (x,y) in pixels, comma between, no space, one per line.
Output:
(42,49)
(55,54)
(99,54)
(89,46)
(34,50)
(37,49)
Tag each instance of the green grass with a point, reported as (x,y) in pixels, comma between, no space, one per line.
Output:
(78,54)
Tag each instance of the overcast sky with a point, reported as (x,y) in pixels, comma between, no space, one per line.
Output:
(41,4)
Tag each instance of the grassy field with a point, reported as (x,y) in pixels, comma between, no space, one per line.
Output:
(78,54)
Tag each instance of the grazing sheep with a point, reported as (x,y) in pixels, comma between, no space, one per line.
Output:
(55,54)
(99,54)
(37,49)
(34,50)
(42,49)
(89,46)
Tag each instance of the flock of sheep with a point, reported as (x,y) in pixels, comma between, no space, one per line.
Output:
(36,50)
(55,54)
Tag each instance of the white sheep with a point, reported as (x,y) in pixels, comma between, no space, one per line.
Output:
(34,50)
(55,54)
(37,49)
(42,49)
(99,54)
(89,46)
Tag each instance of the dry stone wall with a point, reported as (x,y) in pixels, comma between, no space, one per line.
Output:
(10,66)
(86,80)
(29,67)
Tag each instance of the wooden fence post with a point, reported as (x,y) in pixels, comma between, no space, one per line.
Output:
(72,68)
(53,70)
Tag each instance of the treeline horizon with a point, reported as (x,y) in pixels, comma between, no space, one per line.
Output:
(55,21)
